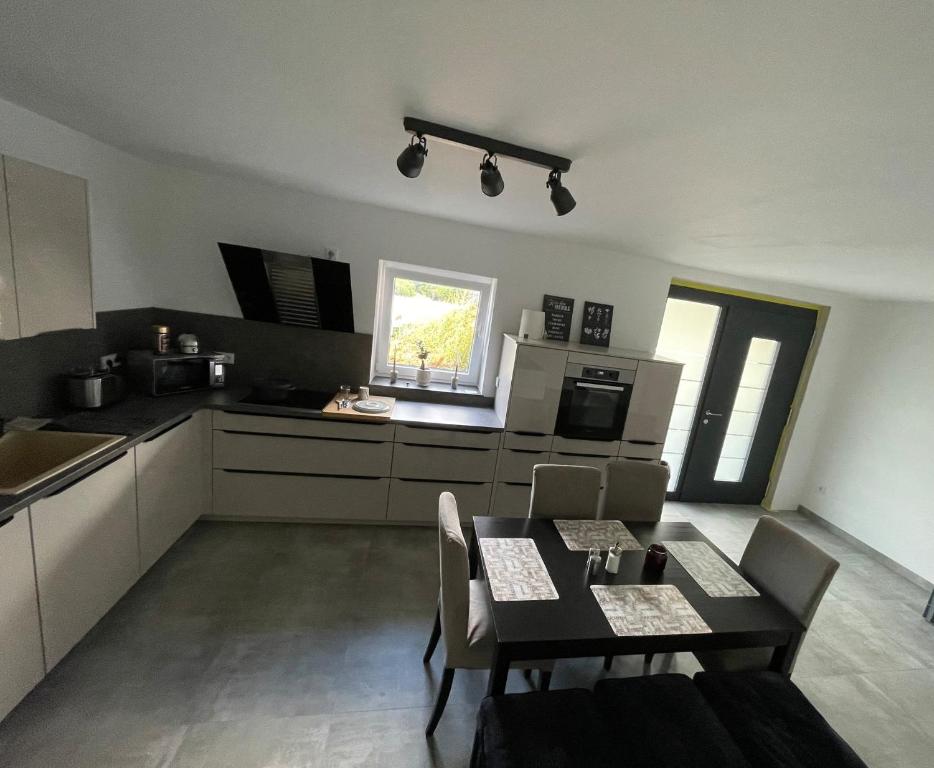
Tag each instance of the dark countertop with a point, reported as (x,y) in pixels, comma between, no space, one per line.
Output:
(143,418)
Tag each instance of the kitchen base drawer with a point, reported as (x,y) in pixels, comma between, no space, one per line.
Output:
(417,501)
(417,462)
(323,428)
(651,451)
(599,462)
(300,455)
(516,466)
(511,500)
(454,438)
(257,495)
(585,447)
(526,442)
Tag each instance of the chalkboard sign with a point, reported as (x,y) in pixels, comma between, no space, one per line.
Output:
(558,311)
(595,327)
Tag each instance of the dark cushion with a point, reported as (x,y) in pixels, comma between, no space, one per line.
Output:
(554,729)
(662,720)
(773,722)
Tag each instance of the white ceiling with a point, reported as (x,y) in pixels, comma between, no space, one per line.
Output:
(786,140)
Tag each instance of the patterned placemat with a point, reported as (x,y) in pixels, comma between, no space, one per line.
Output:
(709,570)
(581,535)
(648,609)
(516,571)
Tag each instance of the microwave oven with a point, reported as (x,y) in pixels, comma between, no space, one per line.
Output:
(176,372)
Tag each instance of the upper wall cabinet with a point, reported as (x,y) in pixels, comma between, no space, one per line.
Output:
(47,212)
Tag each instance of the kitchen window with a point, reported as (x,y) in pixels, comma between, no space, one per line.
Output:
(449,313)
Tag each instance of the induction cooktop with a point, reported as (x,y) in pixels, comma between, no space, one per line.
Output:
(306,399)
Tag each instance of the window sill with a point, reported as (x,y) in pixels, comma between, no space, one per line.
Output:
(436,392)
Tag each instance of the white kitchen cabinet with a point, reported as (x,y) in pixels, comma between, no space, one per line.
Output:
(416,501)
(173,477)
(301,455)
(9,315)
(531,379)
(511,500)
(515,466)
(50,240)
(254,496)
(86,553)
(645,451)
(430,462)
(652,401)
(21,660)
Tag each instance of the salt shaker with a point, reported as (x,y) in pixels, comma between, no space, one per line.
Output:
(612,558)
(593,560)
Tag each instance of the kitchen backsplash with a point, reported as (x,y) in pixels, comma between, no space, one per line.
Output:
(32,370)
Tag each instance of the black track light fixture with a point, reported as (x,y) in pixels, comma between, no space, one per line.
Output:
(491,180)
(561,198)
(412,159)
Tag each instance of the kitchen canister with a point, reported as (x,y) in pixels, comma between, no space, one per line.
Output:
(532,324)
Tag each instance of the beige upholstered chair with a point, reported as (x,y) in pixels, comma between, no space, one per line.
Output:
(791,569)
(564,492)
(466,620)
(635,490)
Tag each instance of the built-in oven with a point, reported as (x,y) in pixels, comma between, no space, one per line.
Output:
(594,402)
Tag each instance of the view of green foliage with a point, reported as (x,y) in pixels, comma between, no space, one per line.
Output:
(448,338)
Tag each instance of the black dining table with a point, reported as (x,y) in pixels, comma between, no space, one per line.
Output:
(574,625)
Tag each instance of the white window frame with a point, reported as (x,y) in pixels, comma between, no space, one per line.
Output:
(382,324)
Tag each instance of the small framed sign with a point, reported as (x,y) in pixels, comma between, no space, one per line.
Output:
(558,311)
(596,325)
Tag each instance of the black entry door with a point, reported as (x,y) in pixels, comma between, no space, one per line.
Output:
(746,399)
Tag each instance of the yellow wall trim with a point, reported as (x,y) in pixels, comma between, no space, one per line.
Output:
(746,294)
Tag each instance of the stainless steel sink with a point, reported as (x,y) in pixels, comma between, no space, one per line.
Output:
(30,458)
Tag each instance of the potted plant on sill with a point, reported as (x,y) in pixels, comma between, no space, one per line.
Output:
(422,374)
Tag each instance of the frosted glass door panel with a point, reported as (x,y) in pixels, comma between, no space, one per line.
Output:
(747,407)
(687,334)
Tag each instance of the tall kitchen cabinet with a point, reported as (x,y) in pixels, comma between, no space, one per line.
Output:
(21,662)
(86,553)
(48,250)
(528,388)
(528,395)
(173,484)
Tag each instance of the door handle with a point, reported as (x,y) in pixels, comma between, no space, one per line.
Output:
(711,413)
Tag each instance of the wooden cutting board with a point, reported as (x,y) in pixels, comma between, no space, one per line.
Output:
(331,409)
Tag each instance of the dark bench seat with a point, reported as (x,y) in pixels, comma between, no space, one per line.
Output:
(772,722)
(727,720)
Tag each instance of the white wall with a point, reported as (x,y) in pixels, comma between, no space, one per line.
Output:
(154,232)
(872,467)
(122,200)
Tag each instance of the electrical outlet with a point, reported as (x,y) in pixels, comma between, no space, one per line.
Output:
(108,361)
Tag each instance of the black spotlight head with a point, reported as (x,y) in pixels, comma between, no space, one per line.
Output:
(412,159)
(491,180)
(561,198)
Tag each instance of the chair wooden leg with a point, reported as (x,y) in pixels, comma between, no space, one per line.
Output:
(648,659)
(443,692)
(544,680)
(527,674)
(433,640)
(607,662)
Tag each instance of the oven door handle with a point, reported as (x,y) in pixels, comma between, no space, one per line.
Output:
(611,387)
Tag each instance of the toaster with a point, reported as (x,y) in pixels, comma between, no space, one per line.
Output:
(94,389)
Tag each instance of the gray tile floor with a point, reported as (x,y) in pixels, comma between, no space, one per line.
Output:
(254,645)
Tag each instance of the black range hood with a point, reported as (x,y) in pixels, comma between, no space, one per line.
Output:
(286,288)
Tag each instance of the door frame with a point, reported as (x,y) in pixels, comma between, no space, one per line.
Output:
(823,313)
